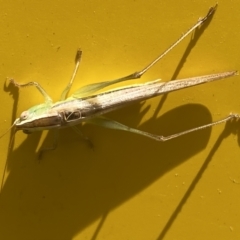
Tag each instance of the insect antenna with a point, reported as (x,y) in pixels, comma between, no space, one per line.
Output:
(13,125)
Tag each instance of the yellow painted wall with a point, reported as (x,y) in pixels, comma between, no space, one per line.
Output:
(128,187)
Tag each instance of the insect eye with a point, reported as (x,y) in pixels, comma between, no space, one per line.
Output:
(24,115)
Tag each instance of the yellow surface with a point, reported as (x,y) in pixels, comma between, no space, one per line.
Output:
(129,187)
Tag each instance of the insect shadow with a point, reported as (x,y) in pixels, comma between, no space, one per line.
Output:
(87,184)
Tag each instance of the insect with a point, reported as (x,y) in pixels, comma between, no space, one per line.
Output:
(85,106)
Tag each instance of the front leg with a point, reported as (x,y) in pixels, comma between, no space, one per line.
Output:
(47,98)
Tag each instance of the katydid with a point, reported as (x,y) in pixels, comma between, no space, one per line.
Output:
(85,105)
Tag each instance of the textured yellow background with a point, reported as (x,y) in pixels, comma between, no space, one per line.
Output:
(129,187)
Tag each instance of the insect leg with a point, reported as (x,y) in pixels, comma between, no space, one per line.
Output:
(37,85)
(86,139)
(53,147)
(89,89)
(108,123)
(196,25)
(77,62)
